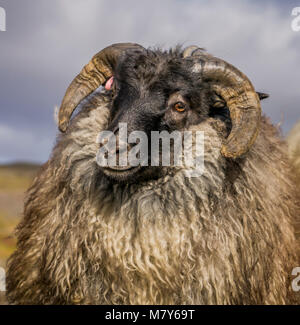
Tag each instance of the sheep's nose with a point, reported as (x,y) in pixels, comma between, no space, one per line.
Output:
(118,148)
(121,146)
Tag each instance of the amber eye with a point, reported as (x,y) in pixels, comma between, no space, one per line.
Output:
(179,106)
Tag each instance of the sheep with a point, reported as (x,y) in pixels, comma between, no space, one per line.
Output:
(149,234)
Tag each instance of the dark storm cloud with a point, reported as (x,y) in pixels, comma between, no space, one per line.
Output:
(47,43)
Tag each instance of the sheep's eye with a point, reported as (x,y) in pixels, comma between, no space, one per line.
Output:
(179,106)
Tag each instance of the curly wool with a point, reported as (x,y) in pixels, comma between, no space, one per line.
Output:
(293,141)
(223,238)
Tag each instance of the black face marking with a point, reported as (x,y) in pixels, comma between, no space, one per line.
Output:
(144,85)
(147,86)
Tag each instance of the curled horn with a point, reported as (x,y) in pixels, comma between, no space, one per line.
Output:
(93,75)
(239,94)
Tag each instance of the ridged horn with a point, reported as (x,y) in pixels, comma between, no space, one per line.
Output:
(240,97)
(92,76)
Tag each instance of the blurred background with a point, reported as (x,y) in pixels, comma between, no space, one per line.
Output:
(46,43)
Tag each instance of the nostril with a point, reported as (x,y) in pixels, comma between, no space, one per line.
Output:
(117,148)
(130,146)
(116,131)
(104,142)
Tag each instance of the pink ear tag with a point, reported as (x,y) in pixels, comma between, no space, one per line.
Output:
(109,83)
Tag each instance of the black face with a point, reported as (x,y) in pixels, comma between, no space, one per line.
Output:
(154,91)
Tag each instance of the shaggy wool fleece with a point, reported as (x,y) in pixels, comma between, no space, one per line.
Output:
(293,140)
(223,238)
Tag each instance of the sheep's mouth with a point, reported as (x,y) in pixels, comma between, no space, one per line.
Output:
(121,173)
(121,168)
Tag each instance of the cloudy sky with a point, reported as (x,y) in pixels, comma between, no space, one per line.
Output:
(47,43)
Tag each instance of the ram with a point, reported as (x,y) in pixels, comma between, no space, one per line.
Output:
(150,234)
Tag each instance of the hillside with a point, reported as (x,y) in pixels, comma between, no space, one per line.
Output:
(14,180)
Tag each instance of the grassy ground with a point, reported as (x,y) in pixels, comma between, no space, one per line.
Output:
(14,180)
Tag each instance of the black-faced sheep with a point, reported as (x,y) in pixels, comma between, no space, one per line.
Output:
(151,235)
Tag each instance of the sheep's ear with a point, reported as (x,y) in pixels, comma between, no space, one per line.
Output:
(262,95)
(240,96)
